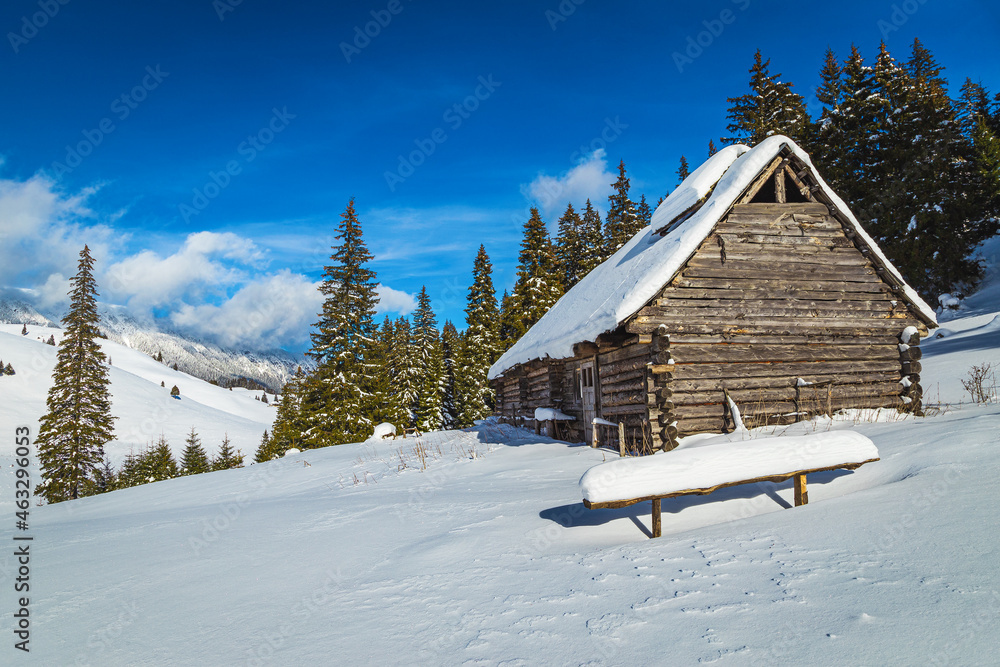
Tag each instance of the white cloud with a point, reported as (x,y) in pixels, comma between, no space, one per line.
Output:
(590,179)
(395,301)
(43,229)
(206,264)
(274,311)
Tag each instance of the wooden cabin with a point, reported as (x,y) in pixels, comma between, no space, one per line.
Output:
(754,282)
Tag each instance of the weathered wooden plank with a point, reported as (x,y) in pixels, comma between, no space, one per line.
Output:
(740,239)
(636,408)
(790,326)
(727,352)
(623,353)
(887,338)
(773,285)
(699,306)
(787,229)
(764,382)
(781,257)
(802,208)
(792,369)
(801,494)
(811,396)
(708,267)
(738,313)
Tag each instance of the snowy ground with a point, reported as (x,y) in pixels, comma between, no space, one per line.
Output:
(362,555)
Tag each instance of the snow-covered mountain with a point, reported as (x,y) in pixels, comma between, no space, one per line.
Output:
(198,358)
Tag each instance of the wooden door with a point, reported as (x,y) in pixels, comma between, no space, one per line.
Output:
(588,397)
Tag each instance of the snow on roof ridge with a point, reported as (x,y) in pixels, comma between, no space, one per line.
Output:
(623,284)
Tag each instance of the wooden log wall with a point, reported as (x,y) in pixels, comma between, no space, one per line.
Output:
(779,292)
(512,397)
(624,389)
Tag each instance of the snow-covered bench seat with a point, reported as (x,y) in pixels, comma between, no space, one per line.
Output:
(702,470)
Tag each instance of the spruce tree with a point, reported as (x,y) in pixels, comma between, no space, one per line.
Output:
(289,422)
(227,458)
(130,472)
(396,409)
(160,463)
(508,322)
(268,450)
(712,150)
(769,108)
(78,422)
(429,362)
(538,286)
(405,372)
(570,250)
(683,171)
(592,239)
(450,345)
(644,212)
(480,344)
(194,460)
(622,221)
(341,397)
(105,478)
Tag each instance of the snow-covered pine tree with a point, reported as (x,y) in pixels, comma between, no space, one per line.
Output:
(395,409)
(683,171)
(592,238)
(622,221)
(160,463)
(227,457)
(509,327)
(130,472)
(289,422)
(930,208)
(405,372)
(644,212)
(480,344)
(769,108)
(78,421)
(538,286)
(105,478)
(194,460)
(268,450)
(570,249)
(342,396)
(450,344)
(429,361)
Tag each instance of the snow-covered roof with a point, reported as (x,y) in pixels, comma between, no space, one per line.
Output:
(622,285)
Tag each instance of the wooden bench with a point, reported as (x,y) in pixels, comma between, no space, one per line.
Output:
(695,471)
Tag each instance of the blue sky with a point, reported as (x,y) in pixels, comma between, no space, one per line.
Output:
(223,139)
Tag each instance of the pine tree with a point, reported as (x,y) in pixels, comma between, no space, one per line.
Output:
(289,422)
(227,458)
(712,150)
(342,396)
(51,341)
(450,344)
(194,460)
(592,239)
(509,324)
(24,329)
(683,171)
(769,108)
(429,361)
(479,346)
(78,422)
(403,369)
(160,464)
(268,450)
(104,478)
(130,472)
(622,221)
(175,391)
(538,287)
(9,370)
(644,212)
(570,249)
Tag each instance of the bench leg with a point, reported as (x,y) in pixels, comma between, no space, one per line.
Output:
(801,494)
(656,517)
